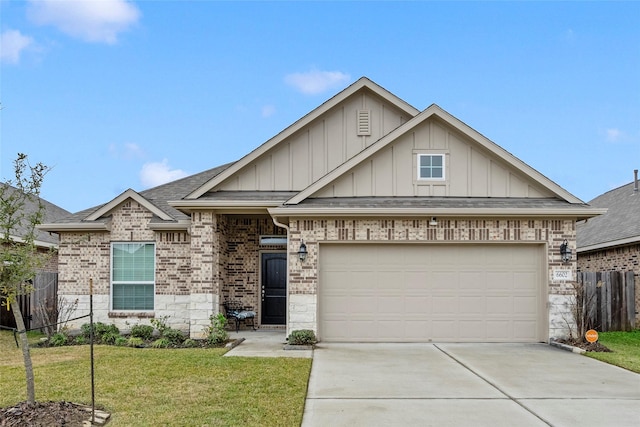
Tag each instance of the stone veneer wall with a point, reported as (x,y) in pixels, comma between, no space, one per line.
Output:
(623,258)
(303,277)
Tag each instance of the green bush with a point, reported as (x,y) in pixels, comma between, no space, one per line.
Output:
(174,336)
(58,339)
(99,331)
(79,340)
(161,343)
(302,337)
(135,342)
(160,324)
(215,332)
(109,337)
(142,331)
(121,341)
(189,343)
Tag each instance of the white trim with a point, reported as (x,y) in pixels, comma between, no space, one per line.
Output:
(363,82)
(431,179)
(129,194)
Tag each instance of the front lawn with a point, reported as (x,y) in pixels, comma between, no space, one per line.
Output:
(625,347)
(152,387)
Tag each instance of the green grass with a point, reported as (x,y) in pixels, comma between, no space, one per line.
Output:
(163,387)
(625,347)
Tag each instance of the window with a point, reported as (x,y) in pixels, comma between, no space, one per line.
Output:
(431,166)
(133,276)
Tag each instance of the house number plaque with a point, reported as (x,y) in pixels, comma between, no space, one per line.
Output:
(559,275)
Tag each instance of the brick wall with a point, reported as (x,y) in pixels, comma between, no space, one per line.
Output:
(303,277)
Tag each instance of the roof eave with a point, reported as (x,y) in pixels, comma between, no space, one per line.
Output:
(577,213)
(75,226)
(183,225)
(608,245)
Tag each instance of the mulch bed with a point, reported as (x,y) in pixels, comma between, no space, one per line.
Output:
(44,414)
(587,346)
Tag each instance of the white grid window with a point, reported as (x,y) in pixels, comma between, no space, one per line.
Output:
(431,166)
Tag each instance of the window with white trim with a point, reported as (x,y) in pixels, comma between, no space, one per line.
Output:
(133,273)
(430,166)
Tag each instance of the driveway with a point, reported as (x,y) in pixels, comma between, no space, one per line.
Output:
(466,385)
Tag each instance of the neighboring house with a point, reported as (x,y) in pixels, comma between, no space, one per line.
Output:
(611,242)
(45,241)
(365,220)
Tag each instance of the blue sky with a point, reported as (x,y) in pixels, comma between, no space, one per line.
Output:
(116,94)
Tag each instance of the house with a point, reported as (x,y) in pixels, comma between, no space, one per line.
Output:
(45,282)
(365,220)
(611,242)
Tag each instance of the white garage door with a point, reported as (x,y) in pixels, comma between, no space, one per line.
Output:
(423,293)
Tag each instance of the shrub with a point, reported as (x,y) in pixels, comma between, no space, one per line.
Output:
(121,341)
(79,340)
(135,342)
(142,331)
(189,343)
(58,339)
(302,337)
(161,343)
(174,336)
(99,331)
(215,332)
(109,337)
(160,324)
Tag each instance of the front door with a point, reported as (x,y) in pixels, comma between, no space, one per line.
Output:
(274,288)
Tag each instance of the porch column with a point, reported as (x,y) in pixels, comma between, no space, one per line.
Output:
(204,264)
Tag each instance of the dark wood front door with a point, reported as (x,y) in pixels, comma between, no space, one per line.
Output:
(274,288)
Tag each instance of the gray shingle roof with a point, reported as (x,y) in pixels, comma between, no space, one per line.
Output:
(52,213)
(160,195)
(622,221)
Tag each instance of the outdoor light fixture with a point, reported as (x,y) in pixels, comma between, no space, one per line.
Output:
(565,251)
(302,252)
(433,222)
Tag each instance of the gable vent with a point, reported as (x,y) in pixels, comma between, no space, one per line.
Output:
(364,122)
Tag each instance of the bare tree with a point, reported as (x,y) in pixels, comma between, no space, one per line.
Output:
(21,210)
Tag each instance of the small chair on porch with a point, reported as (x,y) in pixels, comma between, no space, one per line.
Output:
(236,311)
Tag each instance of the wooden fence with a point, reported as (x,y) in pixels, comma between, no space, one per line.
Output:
(608,300)
(44,298)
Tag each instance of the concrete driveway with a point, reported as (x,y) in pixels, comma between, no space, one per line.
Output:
(466,385)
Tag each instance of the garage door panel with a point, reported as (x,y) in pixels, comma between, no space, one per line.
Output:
(457,292)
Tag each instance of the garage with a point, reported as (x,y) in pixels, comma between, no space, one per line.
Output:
(385,292)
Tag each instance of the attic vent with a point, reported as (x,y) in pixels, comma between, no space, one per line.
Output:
(364,122)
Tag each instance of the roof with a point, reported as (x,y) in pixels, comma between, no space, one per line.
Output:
(619,226)
(52,213)
(434,206)
(155,199)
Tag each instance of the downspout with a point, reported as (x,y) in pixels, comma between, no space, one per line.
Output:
(635,181)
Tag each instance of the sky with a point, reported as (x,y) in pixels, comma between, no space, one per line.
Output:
(117,94)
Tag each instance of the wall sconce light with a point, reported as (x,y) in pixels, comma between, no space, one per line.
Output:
(302,252)
(433,222)
(565,251)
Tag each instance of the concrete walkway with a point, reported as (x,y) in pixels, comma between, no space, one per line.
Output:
(263,343)
(466,385)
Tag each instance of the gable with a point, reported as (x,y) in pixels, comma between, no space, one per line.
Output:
(469,169)
(317,143)
(474,166)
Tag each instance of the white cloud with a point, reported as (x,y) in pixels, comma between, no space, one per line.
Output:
(268,110)
(129,151)
(314,82)
(90,20)
(614,135)
(12,44)
(158,173)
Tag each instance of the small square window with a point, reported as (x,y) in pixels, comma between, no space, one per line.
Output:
(431,166)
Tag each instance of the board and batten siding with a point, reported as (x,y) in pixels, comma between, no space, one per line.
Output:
(318,148)
(470,171)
